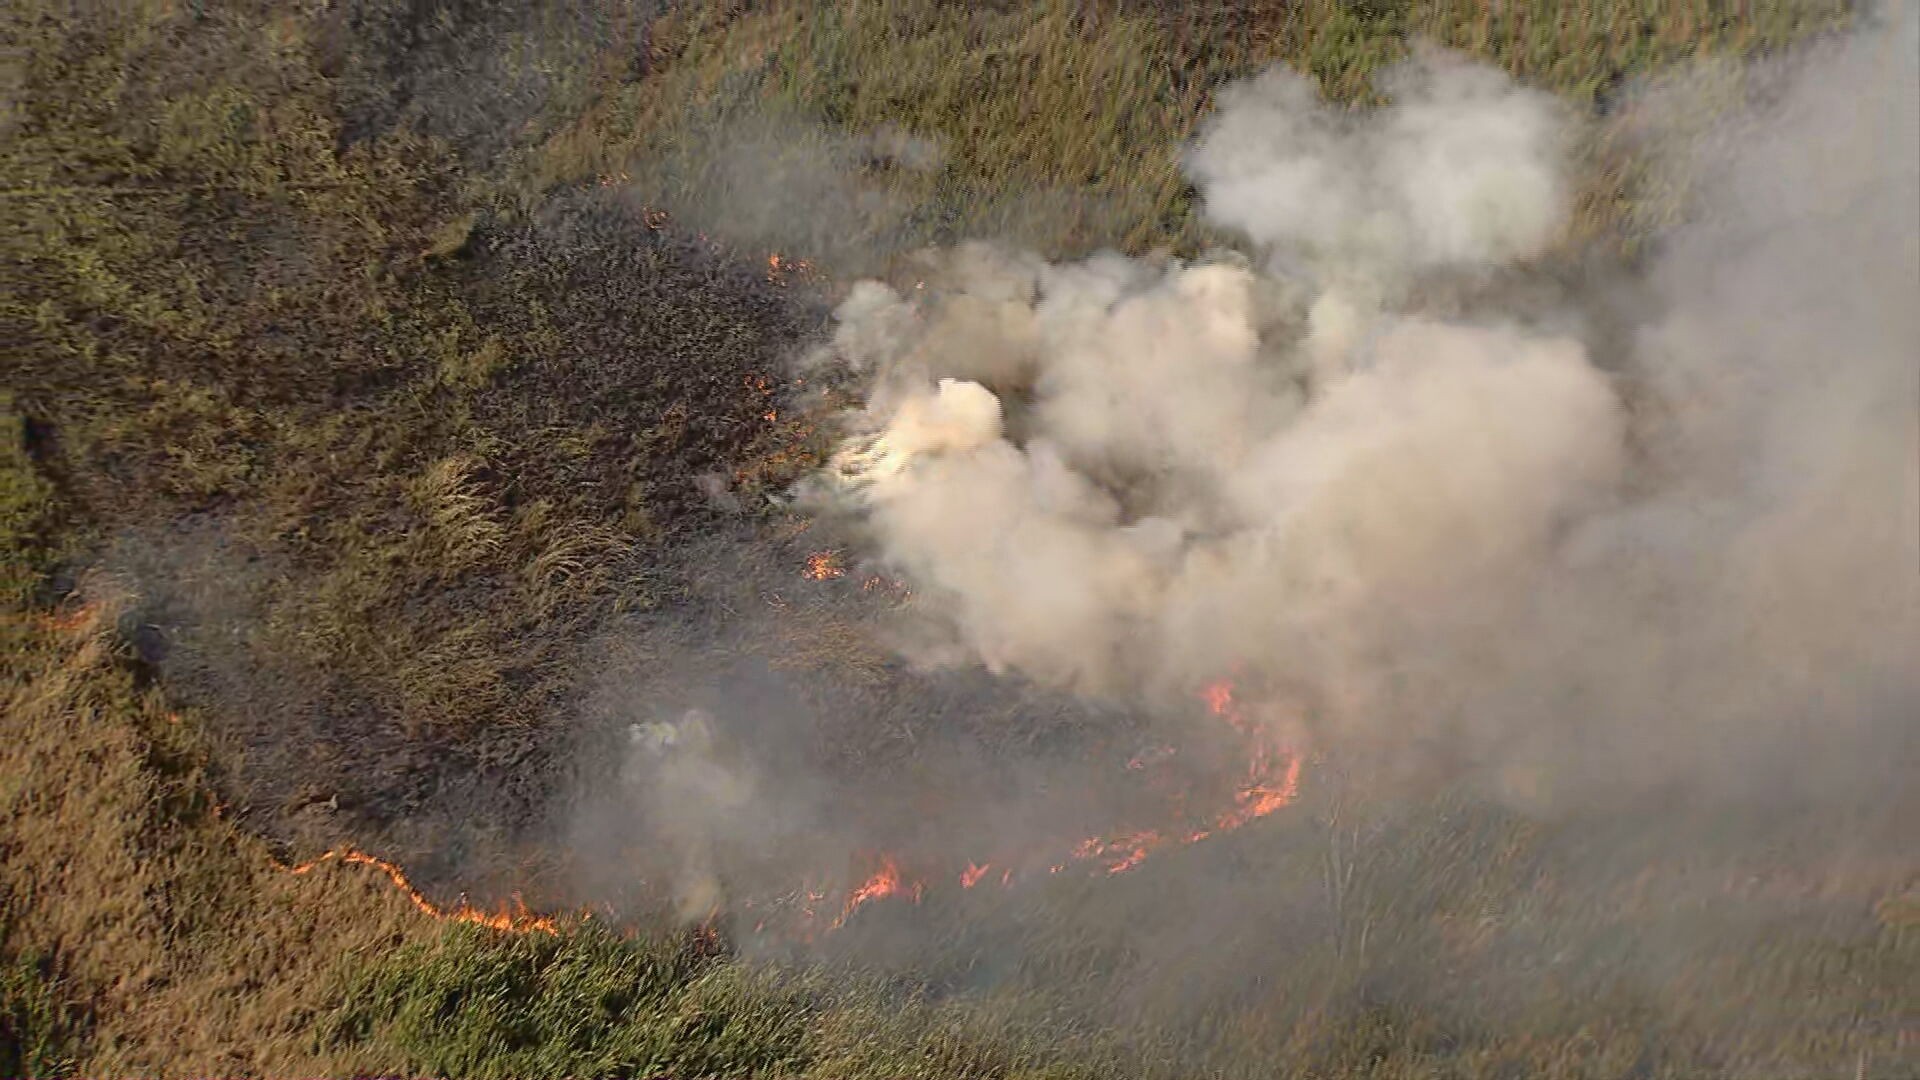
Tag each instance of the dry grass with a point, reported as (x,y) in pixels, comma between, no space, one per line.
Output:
(1059,122)
(171,936)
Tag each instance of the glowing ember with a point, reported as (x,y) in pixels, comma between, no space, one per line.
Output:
(972,874)
(887,586)
(1273,782)
(513,922)
(824,566)
(780,267)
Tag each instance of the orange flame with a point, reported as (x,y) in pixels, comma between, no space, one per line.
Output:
(1218,696)
(512,922)
(1272,783)
(779,267)
(1132,849)
(885,882)
(824,566)
(1258,799)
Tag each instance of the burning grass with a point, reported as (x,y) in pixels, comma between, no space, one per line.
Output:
(126,866)
(404,398)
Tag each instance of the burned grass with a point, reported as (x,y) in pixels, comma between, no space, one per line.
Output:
(377,455)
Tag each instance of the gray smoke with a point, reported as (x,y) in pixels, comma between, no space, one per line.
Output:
(1416,536)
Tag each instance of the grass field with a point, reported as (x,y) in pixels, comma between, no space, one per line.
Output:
(397,349)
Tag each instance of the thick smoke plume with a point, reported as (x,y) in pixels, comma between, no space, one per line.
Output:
(1573,552)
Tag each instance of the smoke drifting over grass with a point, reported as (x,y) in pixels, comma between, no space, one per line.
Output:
(1464,168)
(1585,593)
(1435,540)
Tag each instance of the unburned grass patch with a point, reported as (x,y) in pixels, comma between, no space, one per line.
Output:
(1058,125)
(39,1030)
(585,1002)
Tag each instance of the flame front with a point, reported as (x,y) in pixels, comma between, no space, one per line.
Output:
(513,922)
(1272,783)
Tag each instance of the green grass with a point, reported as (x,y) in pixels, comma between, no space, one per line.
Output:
(585,1003)
(37,1029)
(26,506)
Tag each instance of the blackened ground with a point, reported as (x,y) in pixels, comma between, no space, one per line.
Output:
(401,665)
(482,74)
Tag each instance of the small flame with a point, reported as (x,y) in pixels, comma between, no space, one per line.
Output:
(824,566)
(1122,852)
(1218,696)
(513,922)
(1271,782)
(885,882)
(780,267)
(1259,799)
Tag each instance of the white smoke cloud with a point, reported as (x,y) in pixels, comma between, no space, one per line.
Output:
(1462,169)
(1129,477)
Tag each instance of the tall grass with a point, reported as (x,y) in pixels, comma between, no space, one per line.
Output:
(1061,121)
